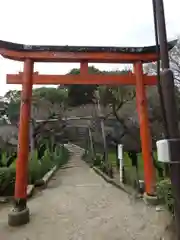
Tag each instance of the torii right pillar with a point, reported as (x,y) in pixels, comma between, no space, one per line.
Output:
(146,140)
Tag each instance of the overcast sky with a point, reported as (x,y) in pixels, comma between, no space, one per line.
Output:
(79,22)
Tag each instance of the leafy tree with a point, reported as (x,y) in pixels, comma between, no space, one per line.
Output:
(46,103)
(117,97)
(82,94)
(12,98)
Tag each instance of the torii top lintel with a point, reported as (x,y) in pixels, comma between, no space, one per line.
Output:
(95,54)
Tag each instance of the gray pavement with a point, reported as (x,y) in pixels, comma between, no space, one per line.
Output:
(80,205)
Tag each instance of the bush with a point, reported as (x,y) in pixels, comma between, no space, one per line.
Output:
(4,159)
(85,155)
(60,156)
(7,181)
(98,161)
(164,192)
(37,168)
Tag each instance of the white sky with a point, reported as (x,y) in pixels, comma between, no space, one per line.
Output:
(79,22)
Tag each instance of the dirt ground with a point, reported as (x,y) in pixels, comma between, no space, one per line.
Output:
(80,205)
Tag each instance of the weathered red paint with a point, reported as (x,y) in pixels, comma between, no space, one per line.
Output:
(149,173)
(23,137)
(97,57)
(82,78)
(84,67)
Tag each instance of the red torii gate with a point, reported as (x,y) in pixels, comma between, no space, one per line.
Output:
(90,79)
(83,54)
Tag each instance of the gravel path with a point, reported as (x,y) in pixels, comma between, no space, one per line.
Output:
(80,205)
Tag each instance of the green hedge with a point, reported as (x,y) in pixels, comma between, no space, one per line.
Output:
(7,180)
(165,195)
(37,168)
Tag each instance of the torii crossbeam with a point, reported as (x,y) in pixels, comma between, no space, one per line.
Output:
(83,54)
(90,79)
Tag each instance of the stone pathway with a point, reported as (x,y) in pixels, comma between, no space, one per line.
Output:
(80,205)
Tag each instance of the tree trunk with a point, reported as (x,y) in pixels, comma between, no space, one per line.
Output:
(100,114)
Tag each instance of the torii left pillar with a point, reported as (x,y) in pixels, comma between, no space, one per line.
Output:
(19,215)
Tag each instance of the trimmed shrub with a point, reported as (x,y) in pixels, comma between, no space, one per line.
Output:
(164,192)
(61,155)
(98,161)
(37,168)
(7,181)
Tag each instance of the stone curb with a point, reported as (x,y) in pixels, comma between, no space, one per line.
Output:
(110,180)
(153,201)
(49,175)
(6,199)
(43,181)
(30,188)
(149,200)
(104,176)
